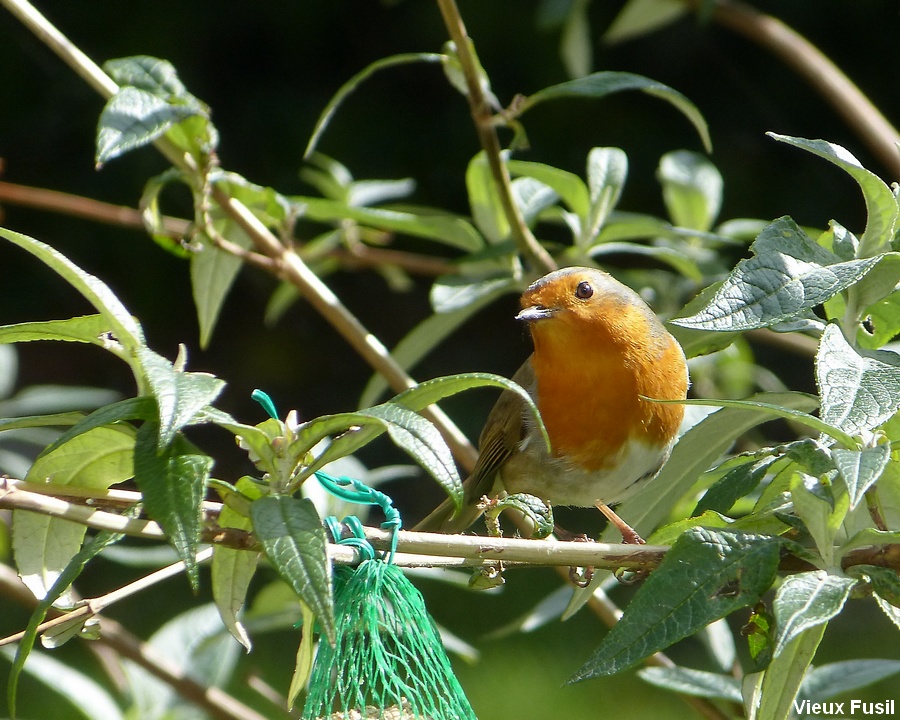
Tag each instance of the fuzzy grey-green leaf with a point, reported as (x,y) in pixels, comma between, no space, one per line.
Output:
(807,600)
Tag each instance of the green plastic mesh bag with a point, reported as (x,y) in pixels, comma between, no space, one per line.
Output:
(388,661)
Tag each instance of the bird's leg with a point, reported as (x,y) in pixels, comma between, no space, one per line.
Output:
(629,535)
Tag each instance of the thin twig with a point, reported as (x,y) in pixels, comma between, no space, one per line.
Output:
(482,116)
(813,66)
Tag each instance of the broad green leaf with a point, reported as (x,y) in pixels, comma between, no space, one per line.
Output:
(822,510)
(782,679)
(884,319)
(421,440)
(484,200)
(213,272)
(152,216)
(442,227)
(291,533)
(733,485)
(807,600)
(154,75)
(828,681)
(269,206)
(232,570)
(575,46)
(193,640)
(607,168)
(692,189)
(532,197)
(859,389)
(600,84)
(62,583)
(881,205)
(303,663)
(43,546)
(885,581)
(639,17)
(124,328)
(679,261)
(87,329)
(90,699)
(697,683)
(706,575)
(458,292)
(570,188)
(31,421)
(860,469)
(133,118)
(788,275)
(140,408)
(179,395)
(172,480)
(354,82)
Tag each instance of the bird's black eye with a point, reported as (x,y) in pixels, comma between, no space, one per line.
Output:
(584,290)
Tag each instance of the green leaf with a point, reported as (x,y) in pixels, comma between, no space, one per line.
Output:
(458,292)
(733,485)
(442,227)
(706,575)
(306,651)
(884,319)
(600,84)
(484,200)
(291,533)
(152,216)
(784,675)
(697,683)
(172,480)
(354,82)
(881,205)
(575,45)
(885,581)
(179,395)
(43,546)
(859,389)
(62,583)
(828,681)
(822,509)
(421,440)
(807,600)
(86,695)
(692,189)
(639,17)
(570,188)
(154,75)
(232,570)
(607,168)
(140,408)
(681,262)
(860,469)
(87,329)
(788,275)
(213,272)
(31,421)
(133,118)
(124,328)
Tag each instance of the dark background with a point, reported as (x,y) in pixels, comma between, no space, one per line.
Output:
(267,69)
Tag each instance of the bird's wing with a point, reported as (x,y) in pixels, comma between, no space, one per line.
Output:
(503,430)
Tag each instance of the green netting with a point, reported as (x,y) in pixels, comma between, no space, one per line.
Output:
(388,661)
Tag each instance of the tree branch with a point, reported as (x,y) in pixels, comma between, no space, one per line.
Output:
(813,66)
(482,116)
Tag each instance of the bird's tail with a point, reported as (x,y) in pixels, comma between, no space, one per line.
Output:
(443,518)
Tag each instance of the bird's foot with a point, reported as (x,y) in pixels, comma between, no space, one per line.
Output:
(629,534)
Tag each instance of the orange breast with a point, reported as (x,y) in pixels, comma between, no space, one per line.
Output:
(590,377)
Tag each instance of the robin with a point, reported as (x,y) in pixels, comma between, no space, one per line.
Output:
(598,348)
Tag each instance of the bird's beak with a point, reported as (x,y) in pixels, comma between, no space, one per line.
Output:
(534,313)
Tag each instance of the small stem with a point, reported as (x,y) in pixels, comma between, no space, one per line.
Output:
(482,115)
